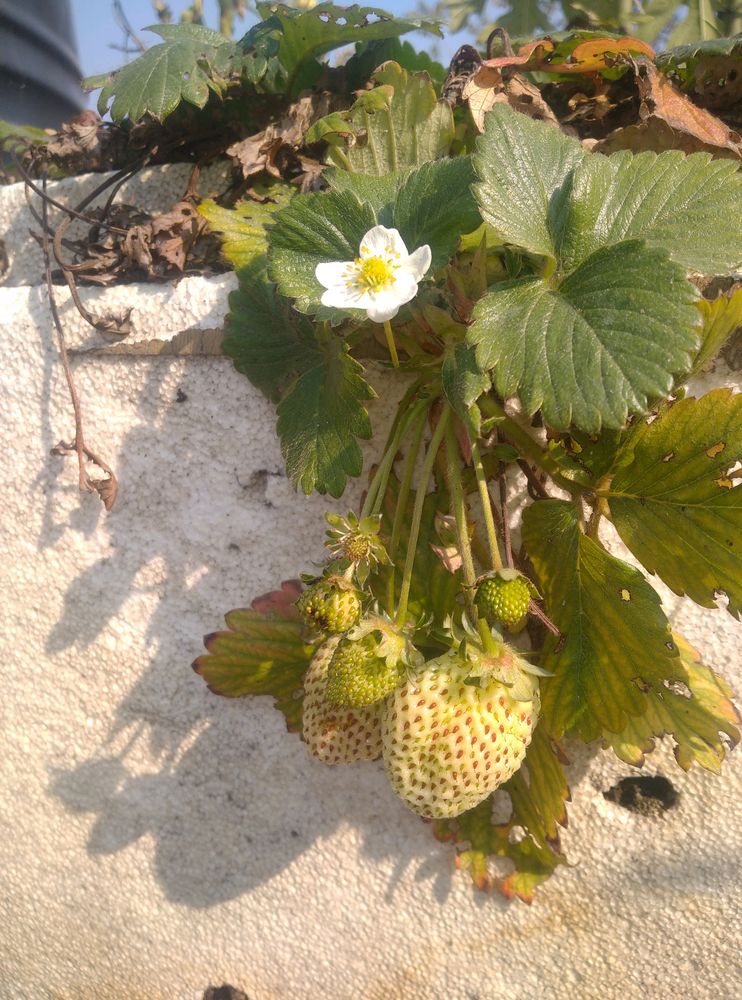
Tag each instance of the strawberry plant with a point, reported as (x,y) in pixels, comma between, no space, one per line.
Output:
(523,246)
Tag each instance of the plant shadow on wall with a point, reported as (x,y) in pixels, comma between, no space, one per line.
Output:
(475,241)
(217,832)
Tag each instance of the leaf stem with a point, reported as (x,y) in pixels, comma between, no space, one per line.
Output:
(401,508)
(377,488)
(484,496)
(525,444)
(458,505)
(390,343)
(417,513)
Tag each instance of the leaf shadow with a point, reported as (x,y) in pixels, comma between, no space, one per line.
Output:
(228,799)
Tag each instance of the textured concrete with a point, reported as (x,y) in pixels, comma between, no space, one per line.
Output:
(156,839)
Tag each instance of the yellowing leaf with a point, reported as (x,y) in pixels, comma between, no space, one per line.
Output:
(695,721)
(673,501)
(721,317)
(615,638)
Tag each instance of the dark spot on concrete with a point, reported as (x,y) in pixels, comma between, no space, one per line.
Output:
(180,396)
(646,794)
(233,547)
(224,993)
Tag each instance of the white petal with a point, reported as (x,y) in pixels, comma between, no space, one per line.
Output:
(404,287)
(343,296)
(383,242)
(385,305)
(418,262)
(332,273)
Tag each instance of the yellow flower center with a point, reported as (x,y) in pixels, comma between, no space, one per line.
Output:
(374,272)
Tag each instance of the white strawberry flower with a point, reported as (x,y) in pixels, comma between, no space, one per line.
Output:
(381,279)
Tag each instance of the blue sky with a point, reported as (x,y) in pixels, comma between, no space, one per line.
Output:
(97,31)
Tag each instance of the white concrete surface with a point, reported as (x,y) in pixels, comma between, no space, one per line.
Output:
(155,839)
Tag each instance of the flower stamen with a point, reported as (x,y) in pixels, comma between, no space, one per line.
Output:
(374,272)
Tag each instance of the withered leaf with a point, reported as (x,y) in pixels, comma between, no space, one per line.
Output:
(487,87)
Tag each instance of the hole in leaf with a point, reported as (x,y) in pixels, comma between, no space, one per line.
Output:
(646,794)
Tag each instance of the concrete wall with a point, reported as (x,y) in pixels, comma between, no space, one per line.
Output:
(156,839)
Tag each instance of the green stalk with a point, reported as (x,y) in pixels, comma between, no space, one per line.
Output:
(484,496)
(527,446)
(417,513)
(402,500)
(390,343)
(377,489)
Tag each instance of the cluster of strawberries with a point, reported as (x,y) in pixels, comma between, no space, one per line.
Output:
(450,729)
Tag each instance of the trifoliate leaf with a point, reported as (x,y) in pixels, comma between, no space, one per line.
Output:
(673,500)
(186,66)
(303,36)
(537,792)
(694,720)
(398,125)
(320,420)
(720,317)
(263,652)
(615,637)
(594,346)
(524,167)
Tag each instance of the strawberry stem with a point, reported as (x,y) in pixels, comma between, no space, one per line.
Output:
(390,343)
(417,513)
(484,496)
(402,501)
(377,489)
(458,506)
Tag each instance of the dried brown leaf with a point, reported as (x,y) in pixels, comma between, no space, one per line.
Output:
(487,88)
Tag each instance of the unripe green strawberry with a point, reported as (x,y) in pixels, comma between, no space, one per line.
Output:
(504,597)
(336,735)
(358,676)
(332,605)
(448,744)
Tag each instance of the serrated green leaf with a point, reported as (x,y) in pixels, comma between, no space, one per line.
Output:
(681,61)
(524,167)
(594,346)
(403,127)
(695,722)
(615,638)
(687,205)
(720,317)
(305,35)
(186,66)
(320,420)
(673,501)
(262,653)
(370,55)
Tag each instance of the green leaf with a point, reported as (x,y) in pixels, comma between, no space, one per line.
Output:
(537,792)
(370,55)
(267,341)
(721,317)
(687,205)
(694,720)
(593,346)
(398,125)
(673,501)
(305,35)
(262,653)
(524,167)
(320,419)
(615,638)
(432,205)
(682,60)
(186,66)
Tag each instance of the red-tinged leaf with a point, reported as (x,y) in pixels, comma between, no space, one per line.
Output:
(263,652)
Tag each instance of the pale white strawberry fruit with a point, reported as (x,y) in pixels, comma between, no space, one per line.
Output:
(337,735)
(449,744)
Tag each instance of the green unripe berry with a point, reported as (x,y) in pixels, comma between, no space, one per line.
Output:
(357,676)
(504,601)
(330,606)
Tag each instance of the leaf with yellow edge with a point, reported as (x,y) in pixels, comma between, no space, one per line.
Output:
(674,501)
(695,721)
(538,792)
(721,317)
(615,638)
